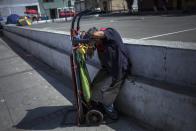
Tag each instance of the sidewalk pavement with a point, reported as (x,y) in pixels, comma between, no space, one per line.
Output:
(33,96)
(53,20)
(57,20)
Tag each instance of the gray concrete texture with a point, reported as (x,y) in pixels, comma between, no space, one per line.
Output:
(144,58)
(158,62)
(22,89)
(55,40)
(33,96)
(171,65)
(163,109)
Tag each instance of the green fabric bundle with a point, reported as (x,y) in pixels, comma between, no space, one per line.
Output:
(84,76)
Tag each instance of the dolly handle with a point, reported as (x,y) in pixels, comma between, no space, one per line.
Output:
(75,17)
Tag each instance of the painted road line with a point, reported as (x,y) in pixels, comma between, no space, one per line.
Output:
(161,43)
(166,34)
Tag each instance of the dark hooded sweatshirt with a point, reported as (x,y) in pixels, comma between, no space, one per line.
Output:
(112,54)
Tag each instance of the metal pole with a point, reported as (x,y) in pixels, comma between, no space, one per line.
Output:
(111,5)
(80,4)
(64,10)
(43,7)
(124,5)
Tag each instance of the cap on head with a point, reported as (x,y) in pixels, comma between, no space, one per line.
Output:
(102,29)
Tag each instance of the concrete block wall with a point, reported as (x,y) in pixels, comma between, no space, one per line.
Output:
(56,39)
(163,109)
(175,62)
(156,103)
(56,59)
(172,65)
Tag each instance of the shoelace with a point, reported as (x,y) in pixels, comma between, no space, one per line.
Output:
(110,108)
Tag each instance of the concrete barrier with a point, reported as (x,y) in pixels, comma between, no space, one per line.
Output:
(176,66)
(165,98)
(174,61)
(156,104)
(52,20)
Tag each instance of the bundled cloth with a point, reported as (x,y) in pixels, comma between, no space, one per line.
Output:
(24,21)
(12,19)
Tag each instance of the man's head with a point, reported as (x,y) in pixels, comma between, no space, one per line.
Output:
(95,35)
(91,32)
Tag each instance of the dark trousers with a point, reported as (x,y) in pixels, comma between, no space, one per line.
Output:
(1,33)
(102,90)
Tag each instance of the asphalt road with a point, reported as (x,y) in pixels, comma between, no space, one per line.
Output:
(162,27)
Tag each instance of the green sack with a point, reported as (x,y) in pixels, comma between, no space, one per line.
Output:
(85,83)
(84,77)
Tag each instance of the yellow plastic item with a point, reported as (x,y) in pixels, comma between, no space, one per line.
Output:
(24,21)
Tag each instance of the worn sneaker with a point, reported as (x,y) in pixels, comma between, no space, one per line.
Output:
(111,112)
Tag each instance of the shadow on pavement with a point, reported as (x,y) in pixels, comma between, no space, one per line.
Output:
(58,116)
(65,116)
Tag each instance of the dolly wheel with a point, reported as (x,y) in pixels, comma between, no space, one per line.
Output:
(94,117)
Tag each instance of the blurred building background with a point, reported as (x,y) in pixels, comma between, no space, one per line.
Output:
(171,4)
(143,5)
(104,5)
(52,8)
(48,8)
(19,7)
